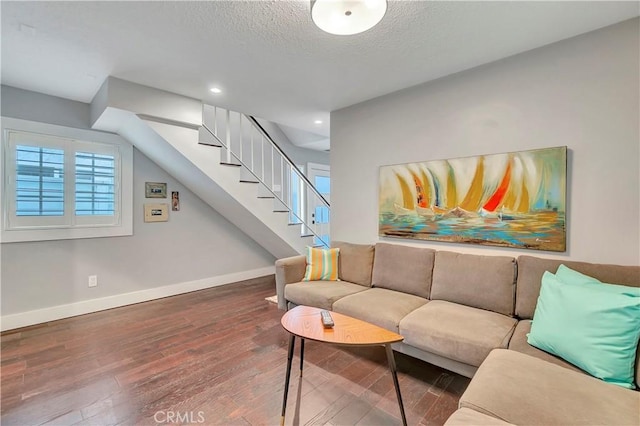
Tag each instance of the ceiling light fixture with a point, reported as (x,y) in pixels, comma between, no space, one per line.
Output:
(318,122)
(215,90)
(347,17)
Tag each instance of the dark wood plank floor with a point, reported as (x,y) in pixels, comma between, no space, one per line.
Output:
(215,356)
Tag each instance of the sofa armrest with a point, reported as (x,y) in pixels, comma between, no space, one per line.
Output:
(288,270)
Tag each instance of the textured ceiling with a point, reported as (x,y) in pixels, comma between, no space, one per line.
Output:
(267,56)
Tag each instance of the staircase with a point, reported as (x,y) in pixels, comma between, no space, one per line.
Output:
(244,143)
(225,158)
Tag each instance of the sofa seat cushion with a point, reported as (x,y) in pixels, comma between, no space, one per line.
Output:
(469,417)
(379,306)
(519,343)
(320,294)
(455,331)
(522,389)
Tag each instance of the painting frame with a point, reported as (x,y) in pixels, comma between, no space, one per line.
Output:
(155,190)
(513,199)
(156,212)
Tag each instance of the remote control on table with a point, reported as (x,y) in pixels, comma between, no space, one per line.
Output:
(327,321)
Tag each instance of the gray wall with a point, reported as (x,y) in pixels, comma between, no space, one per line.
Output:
(581,92)
(300,156)
(195,243)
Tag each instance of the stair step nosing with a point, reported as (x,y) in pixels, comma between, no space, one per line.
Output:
(210,144)
(230,164)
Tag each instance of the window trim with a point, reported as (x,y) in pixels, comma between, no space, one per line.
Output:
(122,225)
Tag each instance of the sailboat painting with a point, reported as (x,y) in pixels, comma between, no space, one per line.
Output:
(516,199)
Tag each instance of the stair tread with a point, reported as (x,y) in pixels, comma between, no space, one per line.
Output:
(217,145)
(230,164)
(248,181)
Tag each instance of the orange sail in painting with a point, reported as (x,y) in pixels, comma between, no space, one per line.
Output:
(472,200)
(499,194)
(422,199)
(407,196)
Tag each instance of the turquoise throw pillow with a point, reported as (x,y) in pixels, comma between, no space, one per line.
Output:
(569,276)
(595,327)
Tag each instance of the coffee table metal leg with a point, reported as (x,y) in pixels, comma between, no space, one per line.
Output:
(392,367)
(292,343)
(301,354)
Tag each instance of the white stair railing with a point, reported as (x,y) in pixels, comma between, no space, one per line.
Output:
(246,144)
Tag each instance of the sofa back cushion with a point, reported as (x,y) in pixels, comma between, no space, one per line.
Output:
(531,269)
(403,268)
(485,282)
(355,263)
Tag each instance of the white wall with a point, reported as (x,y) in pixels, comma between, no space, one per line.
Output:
(582,93)
(300,156)
(196,243)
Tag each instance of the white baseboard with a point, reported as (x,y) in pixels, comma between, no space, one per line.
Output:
(38,316)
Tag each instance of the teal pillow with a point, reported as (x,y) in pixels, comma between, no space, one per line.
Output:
(569,276)
(595,327)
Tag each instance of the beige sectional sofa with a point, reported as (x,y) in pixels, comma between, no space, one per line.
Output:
(470,314)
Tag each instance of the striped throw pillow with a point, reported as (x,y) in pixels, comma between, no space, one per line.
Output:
(322,264)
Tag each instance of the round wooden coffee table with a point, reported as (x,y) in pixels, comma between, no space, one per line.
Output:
(305,323)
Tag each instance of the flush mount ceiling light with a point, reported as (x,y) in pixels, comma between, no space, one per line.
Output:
(215,90)
(347,17)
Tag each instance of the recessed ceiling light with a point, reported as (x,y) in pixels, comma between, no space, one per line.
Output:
(318,122)
(215,90)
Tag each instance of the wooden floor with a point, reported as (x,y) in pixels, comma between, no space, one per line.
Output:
(216,356)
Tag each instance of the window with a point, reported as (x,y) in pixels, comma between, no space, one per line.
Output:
(95,184)
(76,184)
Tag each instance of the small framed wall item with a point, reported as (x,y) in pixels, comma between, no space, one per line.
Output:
(155,190)
(175,201)
(156,212)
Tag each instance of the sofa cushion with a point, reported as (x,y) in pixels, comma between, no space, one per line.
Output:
(590,324)
(519,343)
(469,417)
(322,264)
(530,270)
(321,294)
(379,306)
(521,389)
(456,331)
(403,268)
(355,263)
(485,282)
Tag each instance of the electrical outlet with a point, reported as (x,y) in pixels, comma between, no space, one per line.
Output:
(93,280)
